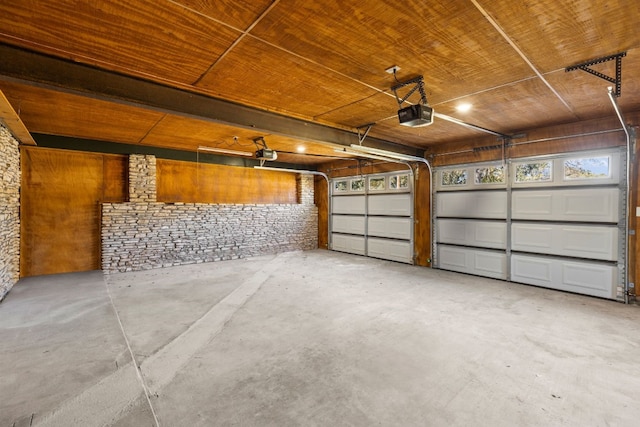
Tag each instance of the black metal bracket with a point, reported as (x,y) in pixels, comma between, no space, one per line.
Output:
(260,142)
(418,84)
(617,80)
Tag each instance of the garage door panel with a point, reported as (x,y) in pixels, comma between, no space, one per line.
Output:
(490,264)
(348,224)
(580,277)
(532,237)
(389,249)
(350,244)
(477,204)
(473,261)
(348,205)
(390,204)
(592,242)
(591,205)
(532,205)
(587,204)
(486,234)
(532,270)
(397,228)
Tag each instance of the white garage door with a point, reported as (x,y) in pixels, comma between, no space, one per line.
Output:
(555,221)
(373,215)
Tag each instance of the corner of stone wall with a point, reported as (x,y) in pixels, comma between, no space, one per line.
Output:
(9,211)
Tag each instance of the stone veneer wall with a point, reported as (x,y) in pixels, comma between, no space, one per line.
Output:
(9,211)
(143,234)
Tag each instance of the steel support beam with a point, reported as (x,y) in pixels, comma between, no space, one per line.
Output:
(36,69)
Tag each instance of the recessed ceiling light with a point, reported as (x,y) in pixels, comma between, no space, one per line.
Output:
(301,149)
(463,108)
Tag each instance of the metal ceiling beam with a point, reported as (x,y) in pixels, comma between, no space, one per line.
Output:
(36,69)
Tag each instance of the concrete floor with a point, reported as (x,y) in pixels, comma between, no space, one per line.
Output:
(312,339)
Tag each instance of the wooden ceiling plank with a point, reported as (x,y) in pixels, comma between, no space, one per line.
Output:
(238,15)
(36,69)
(237,41)
(9,116)
(281,81)
(522,55)
(557,34)
(57,113)
(156,40)
(362,39)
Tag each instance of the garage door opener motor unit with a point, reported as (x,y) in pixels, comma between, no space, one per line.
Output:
(264,153)
(414,115)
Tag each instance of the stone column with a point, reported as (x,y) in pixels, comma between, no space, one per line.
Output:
(142,178)
(304,188)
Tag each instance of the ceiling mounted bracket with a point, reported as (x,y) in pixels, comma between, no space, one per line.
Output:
(617,80)
(260,142)
(363,131)
(418,84)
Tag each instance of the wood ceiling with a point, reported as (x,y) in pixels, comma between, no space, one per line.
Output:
(321,62)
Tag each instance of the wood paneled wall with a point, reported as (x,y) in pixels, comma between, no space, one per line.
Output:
(188,182)
(60,208)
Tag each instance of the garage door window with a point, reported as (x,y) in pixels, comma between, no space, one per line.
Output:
(454,177)
(533,172)
(357,185)
(490,175)
(587,168)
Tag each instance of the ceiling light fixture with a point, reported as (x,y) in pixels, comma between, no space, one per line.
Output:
(463,108)
(226,151)
(301,149)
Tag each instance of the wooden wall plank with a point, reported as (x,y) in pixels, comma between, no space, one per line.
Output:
(321,199)
(115,178)
(190,182)
(61,192)
(422,224)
